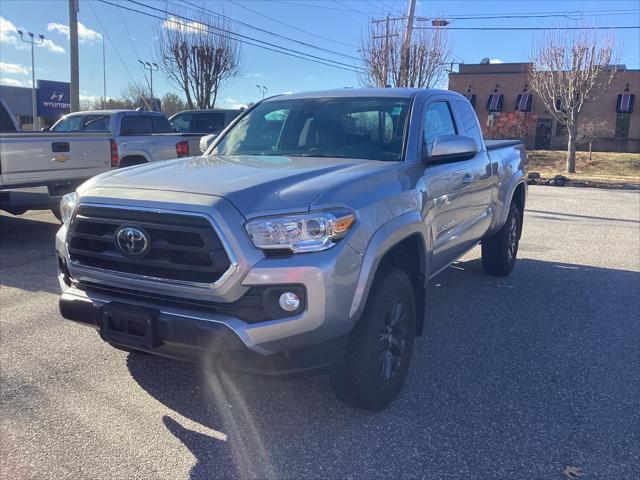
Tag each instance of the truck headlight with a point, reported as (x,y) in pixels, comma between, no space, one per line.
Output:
(307,232)
(67,206)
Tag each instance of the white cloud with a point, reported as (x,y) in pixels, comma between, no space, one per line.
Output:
(175,23)
(13,68)
(85,34)
(8,33)
(52,47)
(495,60)
(12,82)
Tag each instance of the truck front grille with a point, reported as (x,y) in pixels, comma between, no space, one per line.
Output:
(181,247)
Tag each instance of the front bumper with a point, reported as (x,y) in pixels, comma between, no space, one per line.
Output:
(194,337)
(329,279)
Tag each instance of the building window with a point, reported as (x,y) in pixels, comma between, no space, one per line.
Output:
(622,125)
(561,130)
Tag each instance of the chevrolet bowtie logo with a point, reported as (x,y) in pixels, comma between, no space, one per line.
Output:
(60,158)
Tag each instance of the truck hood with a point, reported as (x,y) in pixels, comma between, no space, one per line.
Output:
(256,185)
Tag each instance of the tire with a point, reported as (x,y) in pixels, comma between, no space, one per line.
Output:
(372,373)
(499,251)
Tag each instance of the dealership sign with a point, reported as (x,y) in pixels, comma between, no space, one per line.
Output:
(53,98)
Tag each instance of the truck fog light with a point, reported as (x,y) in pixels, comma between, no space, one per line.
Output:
(289,302)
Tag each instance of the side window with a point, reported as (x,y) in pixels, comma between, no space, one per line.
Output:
(181,122)
(6,125)
(136,125)
(70,124)
(96,123)
(160,124)
(209,123)
(469,122)
(437,121)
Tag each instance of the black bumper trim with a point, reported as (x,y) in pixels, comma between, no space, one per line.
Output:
(195,340)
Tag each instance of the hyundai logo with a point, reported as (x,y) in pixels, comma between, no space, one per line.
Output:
(132,241)
(57,96)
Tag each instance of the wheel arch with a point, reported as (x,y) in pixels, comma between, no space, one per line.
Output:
(399,243)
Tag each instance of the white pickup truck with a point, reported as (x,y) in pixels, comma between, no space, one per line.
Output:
(37,168)
(141,136)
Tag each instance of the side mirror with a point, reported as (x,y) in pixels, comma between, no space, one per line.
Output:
(206,141)
(452,148)
(44,129)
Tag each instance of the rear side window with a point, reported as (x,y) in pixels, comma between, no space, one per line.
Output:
(160,124)
(469,122)
(136,125)
(96,123)
(437,121)
(182,122)
(209,123)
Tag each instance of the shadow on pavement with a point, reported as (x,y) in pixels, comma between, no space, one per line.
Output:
(27,253)
(514,377)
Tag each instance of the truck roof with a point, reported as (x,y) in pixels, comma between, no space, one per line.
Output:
(388,92)
(112,112)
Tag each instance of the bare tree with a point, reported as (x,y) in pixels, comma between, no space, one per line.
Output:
(198,56)
(172,104)
(568,71)
(592,130)
(382,51)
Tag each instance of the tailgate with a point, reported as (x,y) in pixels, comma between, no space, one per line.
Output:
(42,157)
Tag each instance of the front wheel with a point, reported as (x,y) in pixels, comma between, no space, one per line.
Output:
(499,251)
(380,347)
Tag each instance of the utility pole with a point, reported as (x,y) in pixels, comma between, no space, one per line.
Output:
(104,73)
(73,51)
(406,44)
(151,67)
(34,102)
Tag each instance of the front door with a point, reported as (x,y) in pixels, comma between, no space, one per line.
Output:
(543,133)
(459,192)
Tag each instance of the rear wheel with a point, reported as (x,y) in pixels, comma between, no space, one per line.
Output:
(500,250)
(375,367)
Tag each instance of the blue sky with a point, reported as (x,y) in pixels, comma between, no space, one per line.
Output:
(131,35)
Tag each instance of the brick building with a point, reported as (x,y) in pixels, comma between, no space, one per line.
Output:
(499,88)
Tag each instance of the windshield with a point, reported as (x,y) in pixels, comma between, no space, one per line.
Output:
(368,128)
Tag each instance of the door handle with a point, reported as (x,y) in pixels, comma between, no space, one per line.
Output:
(466,180)
(57,147)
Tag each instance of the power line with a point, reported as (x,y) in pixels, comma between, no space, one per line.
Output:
(115,49)
(577,14)
(291,26)
(270,33)
(621,27)
(238,37)
(324,7)
(352,9)
(233,35)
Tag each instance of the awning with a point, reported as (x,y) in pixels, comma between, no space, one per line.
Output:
(524,102)
(494,103)
(625,103)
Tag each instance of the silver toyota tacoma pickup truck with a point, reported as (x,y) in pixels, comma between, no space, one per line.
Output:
(302,239)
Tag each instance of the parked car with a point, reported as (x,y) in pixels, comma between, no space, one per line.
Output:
(36,169)
(141,136)
(303,239)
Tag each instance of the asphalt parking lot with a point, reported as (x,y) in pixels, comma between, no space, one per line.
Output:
(514,378)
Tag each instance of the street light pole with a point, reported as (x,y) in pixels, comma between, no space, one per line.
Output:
(263,90)
(151,67)
(34,102)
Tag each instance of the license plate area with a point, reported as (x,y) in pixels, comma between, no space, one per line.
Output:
(129,325)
